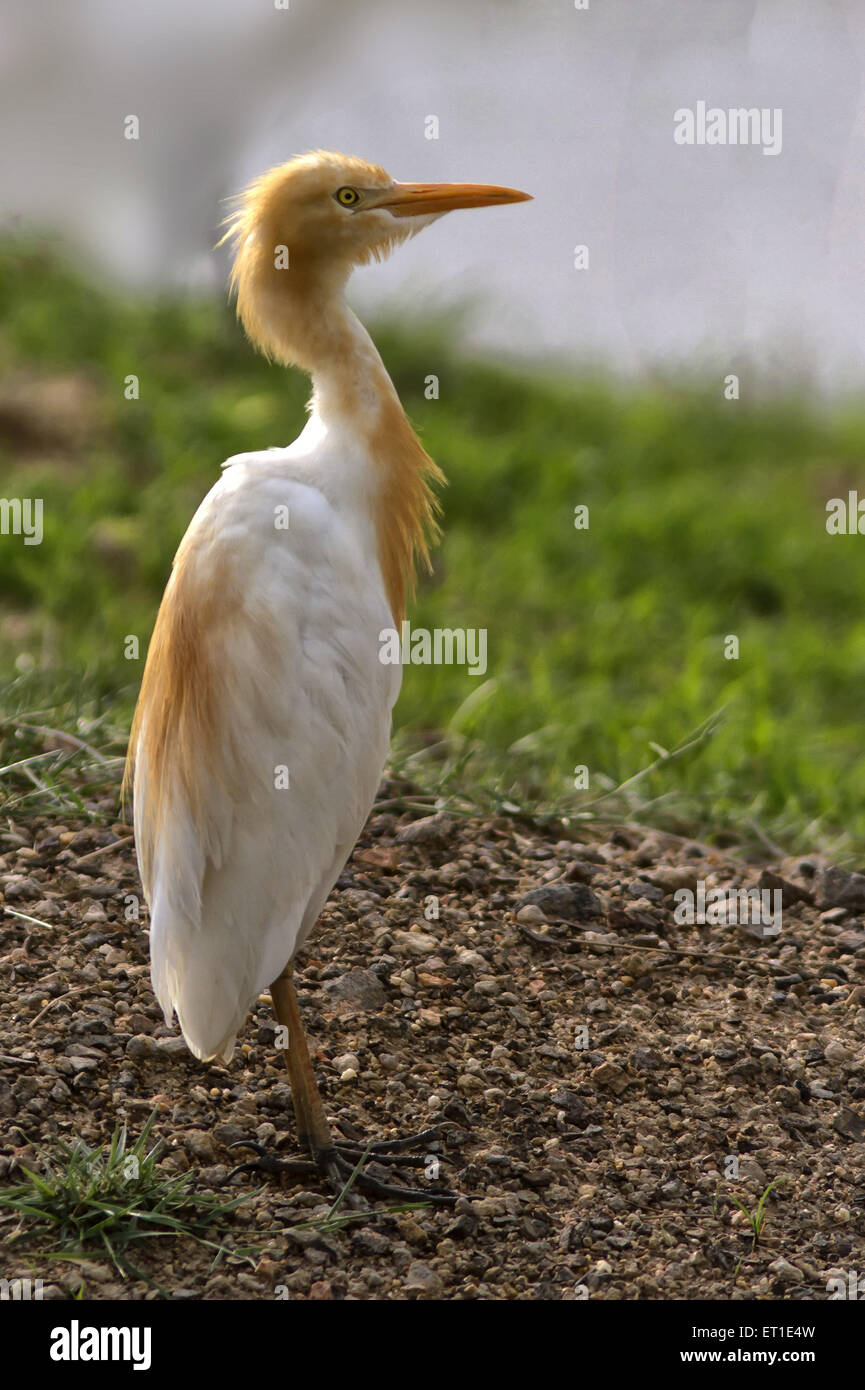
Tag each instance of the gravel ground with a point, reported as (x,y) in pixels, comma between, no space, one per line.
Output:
(613,1081)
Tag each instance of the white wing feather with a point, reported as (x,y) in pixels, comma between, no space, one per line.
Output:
(234,890)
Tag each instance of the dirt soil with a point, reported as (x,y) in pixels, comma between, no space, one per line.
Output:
(613,1081)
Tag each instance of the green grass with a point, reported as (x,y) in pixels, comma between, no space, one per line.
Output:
(108,1200)
(757,1218)
(707,518)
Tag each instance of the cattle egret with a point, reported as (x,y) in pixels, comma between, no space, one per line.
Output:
(264,716)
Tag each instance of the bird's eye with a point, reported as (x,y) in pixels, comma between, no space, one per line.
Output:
(348,197)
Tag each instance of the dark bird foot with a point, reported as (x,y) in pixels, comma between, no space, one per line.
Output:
(338,1165)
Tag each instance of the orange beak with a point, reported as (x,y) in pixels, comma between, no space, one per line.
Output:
(423,199)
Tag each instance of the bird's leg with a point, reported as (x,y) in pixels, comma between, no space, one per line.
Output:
(313,1130)
(336,1160)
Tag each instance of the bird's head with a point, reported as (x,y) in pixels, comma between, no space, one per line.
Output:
(306,224)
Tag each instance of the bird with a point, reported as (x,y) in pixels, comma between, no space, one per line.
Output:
(263,721)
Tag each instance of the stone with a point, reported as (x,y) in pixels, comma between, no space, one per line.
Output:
(610,1076)
(564,902)
(838,887)
(421,1279)
(17,888)
(415,943)
(360,988)
(200,1144)
(431,830)
(786,1272)
(530,915)
(474,960)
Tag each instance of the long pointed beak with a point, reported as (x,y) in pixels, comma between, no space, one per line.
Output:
(419,199)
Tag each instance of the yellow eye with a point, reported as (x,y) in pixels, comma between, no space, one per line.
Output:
(348,197)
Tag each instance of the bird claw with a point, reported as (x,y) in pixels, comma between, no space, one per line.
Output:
(338,1164)
(269,1163)
(393,1151)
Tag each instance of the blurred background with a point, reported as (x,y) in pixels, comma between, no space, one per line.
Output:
(558,385)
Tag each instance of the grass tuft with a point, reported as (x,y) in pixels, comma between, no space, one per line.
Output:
(110,1199)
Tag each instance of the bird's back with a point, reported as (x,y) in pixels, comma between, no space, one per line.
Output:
(262,730)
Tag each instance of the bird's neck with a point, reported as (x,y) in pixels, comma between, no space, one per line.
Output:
(304,321)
